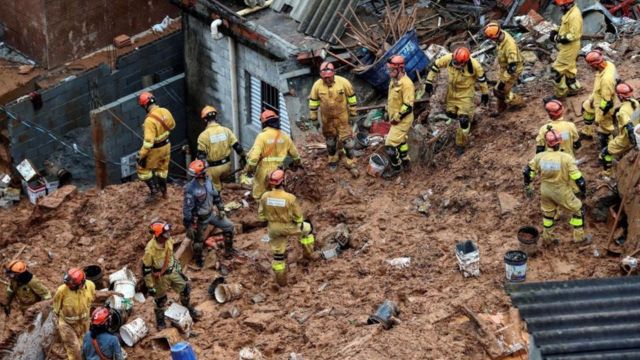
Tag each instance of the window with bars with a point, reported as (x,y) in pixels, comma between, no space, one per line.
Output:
(263,97)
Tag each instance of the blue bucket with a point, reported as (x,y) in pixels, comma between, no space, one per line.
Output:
(182,351)
(414,59)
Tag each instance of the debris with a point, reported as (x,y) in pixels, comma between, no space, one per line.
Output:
(385,315)
(25,69)
(54,200)
(468,256)
(12,194)
(294,356)
(400,262)
(258,298)
(250,353)
(233,205)
(507,203)
(180,317)
(158,28)
(26,169)
(121,41)
(259,321)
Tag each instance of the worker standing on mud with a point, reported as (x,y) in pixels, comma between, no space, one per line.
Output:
(155,154)
(334,96)
(284,216)
(72,305)
(564,70)
(557,170)
(162,272)
(214,146)
(99,343)
(511,66)
(24,287)
(400,101)
(599,106)
(200,196)
(269,151)
(566,129)
(627,117)
(464,72)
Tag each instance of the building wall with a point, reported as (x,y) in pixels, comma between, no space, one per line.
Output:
(24,25)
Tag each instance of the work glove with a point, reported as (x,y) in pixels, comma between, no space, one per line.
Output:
(191,233)
(511,68)
(484,99)
(7,309)
(395,119)
(607,107)
(582,185)
(428,88)
(152,291)
(142,162)
(528,190)
(221,213)
(243,161)
(562,40)
(553,35)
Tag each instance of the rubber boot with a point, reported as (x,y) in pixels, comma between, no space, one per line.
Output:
(603,140)
(406,165)
(228,245)
(307,243)
(153,189)
(501,106)
(516,102)
(580,238)
(186,302)
(198,258)
(162,186)
(548,238)
(160,324)
(574,87)
(280,277)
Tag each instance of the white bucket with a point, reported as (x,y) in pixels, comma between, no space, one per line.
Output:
(179,315)
(125,287)
(133,332)
(119,303)
(227,292)
(122,274)
(636,132)
(377,164)
(468,256)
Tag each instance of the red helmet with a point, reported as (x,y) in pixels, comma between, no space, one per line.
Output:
(158,228)
(74,278)
(595,58)
(208,112)
(268,115)
(327,70)
(492,31)
(552,138)
(146,98)
(197,168)
(563,2)
(396,62)
(100,316)
(624,91)
(276,177)
(17,266)
(554,109)
(461,56)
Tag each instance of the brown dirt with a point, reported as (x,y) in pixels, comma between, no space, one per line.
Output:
(322,314)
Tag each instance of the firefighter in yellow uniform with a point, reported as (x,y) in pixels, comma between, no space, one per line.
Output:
(400,99)
(627,117)
(284,216)
(268,152)
(334,96)
(511,66)
(557,170)
(566,129)
(599,106)
(567,38)
(162,272)
(464,72)
(155,154)
(214,146)
(72,305)
(24,287)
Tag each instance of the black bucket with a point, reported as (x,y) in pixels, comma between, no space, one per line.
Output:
(94,273)
(362,140)
(516,265)
(117,320)
(528,238)
(384,315)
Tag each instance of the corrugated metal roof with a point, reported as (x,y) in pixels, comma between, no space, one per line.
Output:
(582,319)
(319,18)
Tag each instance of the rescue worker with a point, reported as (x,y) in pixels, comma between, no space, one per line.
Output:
(214,146)
(627,118)
(599,106)
(200,196)
(268,152)
(284,216)
(464,72)
(333,95)
(162,272)
(155,154)
(557,170)
(511,66)
(400,99)
(566,129)
(72,304)
(23,286)
(564,70)
(99,343)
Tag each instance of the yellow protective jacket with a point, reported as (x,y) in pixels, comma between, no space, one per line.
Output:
(157,127)
(604,86)
(571,26)
(628,112)
(29,293)
(271,146)
(279,207)
(157,261)
(73,306)
(217,141)
(333,100)
(508,53)
(556,168)
(402,95)
(567,130)
(461,81)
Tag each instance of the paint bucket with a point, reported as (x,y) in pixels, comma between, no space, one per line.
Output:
(384,315)
(179,315)
(377,164)
(125,287)
(636,132)
(94,273)
(227,292)
(117,319)
(468,256)
(362,140)
(122,274)
(528,239)
(119,303)
(329,253)
(182,351)
(515,262)
(133,332)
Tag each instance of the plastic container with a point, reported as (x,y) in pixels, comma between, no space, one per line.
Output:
(119,303)
(636,132)
(380,128)
(179,315)
(227,292)
(182,351)
(362,140)
(384,315)
(468,256)
(133,332)
(125,287)
(122,274)
(528,238)
(515,262)
(377,164)
(94,273)
(117,319)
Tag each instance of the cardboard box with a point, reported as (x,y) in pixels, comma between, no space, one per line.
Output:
(12,194)
(52,183)
(27,170)
(34,189)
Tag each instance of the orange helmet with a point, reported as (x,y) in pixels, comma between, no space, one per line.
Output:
(552,138)
(276,177)
(74,278)
(492,31)
(327,70)
(554,109)
(208,112)
(197,168)
(146,98)
(461,56)
(595,58)
(268,115)
(624,91)
(563,2)
(100,316)
(158,228)
(396,62)
(17,266)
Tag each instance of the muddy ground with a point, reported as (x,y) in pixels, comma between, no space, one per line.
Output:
(323,312)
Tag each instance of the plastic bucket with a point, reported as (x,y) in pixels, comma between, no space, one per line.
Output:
(133,332)
(117,319)
(122,274)
(515,262)
(528,239)
(182,351)
(227,292)
(377,164)
(468,256)
(94,273)
(119,303)
(636,132)
(380,128)
(125,287)
(362,140)
(179,315)
(384,315)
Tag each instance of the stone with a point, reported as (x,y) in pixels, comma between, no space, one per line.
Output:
(507,202)
(259,321)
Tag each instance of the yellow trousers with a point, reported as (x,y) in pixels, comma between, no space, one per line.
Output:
(157,162)
(216,173)
(71,335)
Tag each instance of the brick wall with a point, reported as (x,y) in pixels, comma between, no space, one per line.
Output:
(24,24)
